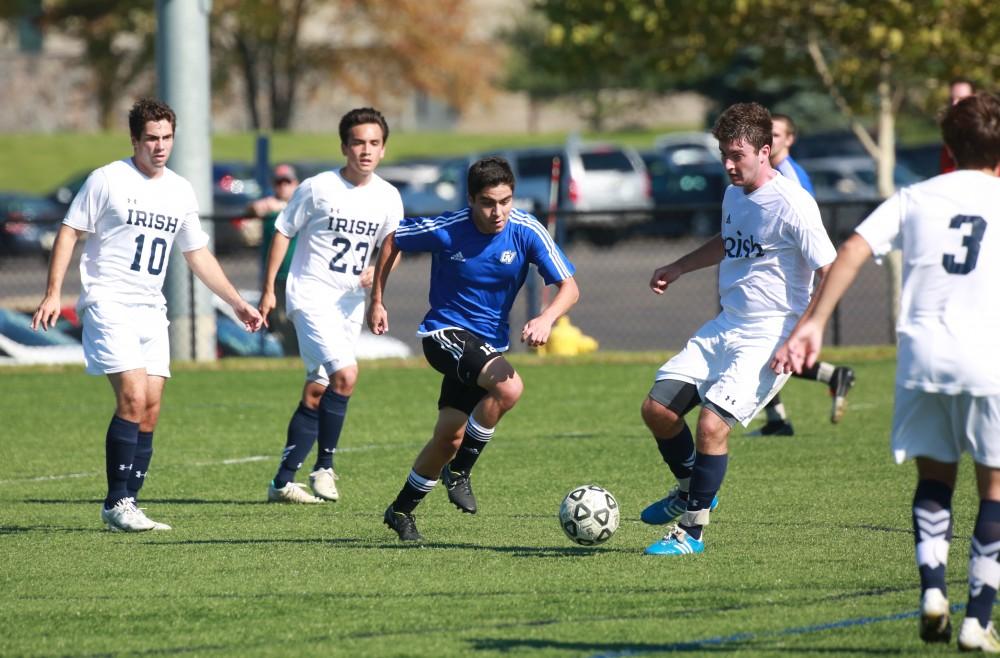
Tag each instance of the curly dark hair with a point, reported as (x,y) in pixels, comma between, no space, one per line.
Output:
(361,116)
(744,122)
(971,129)
(146,110)
(489,172)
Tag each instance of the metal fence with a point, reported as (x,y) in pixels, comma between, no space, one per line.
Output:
(613,270)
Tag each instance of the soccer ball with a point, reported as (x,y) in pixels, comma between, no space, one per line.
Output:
(589,515)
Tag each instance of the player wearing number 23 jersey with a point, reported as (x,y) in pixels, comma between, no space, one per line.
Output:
(339,218)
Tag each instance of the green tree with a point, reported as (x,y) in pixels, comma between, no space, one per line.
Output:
(376,48)
(117,37)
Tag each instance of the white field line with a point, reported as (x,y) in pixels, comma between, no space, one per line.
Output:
(223,462)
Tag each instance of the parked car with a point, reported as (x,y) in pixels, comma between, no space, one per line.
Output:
(28,223)
(924,160)
(688,148)
(828,144)
(851,178)
(688,197)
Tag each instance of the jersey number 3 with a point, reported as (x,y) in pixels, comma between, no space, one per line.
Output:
(970,242)
(343,245)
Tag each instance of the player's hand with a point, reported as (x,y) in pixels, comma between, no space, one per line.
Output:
(801,350)
(378,318)
(47,313)
(251,318)
(536,332)
(367,276)
(268,302)
(663,277)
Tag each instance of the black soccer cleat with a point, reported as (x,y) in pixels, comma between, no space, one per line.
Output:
(459,489)
(777,428)
(840,386)
(404,524)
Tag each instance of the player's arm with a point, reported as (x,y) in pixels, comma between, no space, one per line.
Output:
(388,256)
(802,348)
(536,331)
(62,252)
(706,255)
(207,268)
(275,256)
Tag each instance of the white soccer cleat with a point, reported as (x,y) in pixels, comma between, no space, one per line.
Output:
(156,524)
(126,517)
(323,484)
(293,492)
(974,637)
(935,617)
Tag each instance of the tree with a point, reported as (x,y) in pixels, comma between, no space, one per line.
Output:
(374,48)
(117,36)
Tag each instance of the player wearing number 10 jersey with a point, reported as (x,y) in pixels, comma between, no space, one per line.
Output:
(134,210)
(948,374)
(340,218)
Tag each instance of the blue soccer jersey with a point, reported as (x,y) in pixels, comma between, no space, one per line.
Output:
(475,276)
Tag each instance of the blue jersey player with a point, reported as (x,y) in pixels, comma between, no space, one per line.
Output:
(480,261)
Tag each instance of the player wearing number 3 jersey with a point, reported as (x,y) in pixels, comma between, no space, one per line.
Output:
(134,210)
(340,218)
(948,374)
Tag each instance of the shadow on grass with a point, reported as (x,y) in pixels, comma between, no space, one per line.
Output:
(143,501)
(22,529)
(517,551)
(732,644)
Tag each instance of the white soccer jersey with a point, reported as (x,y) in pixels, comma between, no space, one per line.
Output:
(135,221)
(774,240)
(339,226)
(948,228)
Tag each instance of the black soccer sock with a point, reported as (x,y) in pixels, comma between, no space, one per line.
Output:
(984,572)
(932,532)
(119,451)
(140,463)
(473,443)
(775,410)
(678,454)
(332,411)
(413,492)
(706,480)
(302,431)
(821,371)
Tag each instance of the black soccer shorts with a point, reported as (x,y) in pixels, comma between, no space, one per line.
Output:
(460,356)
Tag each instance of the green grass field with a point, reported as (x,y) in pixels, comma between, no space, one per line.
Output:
(809,553)
(38,163)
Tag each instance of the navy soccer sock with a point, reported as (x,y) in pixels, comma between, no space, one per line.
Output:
(140,463)
(984,572)
(932,532)
(473,443)
(302,430)
(119,451)
(678,454)
(416,487)
(332,411)
(706,480)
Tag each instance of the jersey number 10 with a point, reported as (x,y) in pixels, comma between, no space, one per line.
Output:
(157,254)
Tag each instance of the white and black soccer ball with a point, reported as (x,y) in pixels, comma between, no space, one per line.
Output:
(589,515)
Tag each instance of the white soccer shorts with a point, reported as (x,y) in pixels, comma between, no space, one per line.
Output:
(941,427)
(120,337)
(328,335)
(730,365)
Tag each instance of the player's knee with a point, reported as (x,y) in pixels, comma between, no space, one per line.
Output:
(132,403)
(713,432)
(344,381)
(658,417)
(509,392)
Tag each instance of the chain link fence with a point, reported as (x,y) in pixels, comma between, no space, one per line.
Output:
(614,264)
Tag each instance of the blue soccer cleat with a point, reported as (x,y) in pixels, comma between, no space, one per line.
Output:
(676,542)
(667,509)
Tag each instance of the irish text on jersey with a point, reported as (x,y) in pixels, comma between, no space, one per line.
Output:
(355,226)
(740,247)
(152,220)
